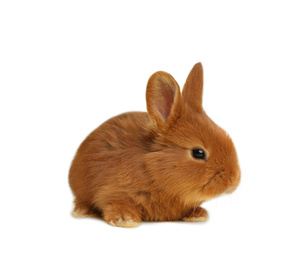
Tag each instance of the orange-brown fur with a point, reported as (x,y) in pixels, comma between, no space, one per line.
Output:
(138,166)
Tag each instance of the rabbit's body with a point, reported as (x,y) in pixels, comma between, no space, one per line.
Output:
(140,166)
(97,189)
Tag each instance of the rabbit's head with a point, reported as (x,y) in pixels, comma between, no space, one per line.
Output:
(192,156)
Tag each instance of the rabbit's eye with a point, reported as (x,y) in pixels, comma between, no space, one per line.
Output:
(199,154)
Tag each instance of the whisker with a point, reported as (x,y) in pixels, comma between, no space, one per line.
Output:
(196,204)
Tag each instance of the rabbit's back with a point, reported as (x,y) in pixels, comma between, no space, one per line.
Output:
(112,156)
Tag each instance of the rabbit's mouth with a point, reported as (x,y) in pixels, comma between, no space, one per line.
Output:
(214,176)
(209,190)
(220,183)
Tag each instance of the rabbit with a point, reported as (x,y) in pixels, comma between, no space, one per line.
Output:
(155,166)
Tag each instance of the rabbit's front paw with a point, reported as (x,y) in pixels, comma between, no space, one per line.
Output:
(196,215)
(126,222)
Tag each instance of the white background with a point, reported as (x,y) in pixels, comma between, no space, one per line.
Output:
(67,66)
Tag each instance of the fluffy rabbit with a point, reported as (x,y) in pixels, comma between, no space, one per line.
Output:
(155,166)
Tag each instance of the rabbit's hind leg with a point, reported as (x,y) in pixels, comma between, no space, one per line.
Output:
(82,210)
(119,211)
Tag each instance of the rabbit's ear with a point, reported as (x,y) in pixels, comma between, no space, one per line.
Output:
(192,92)
(163,98)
